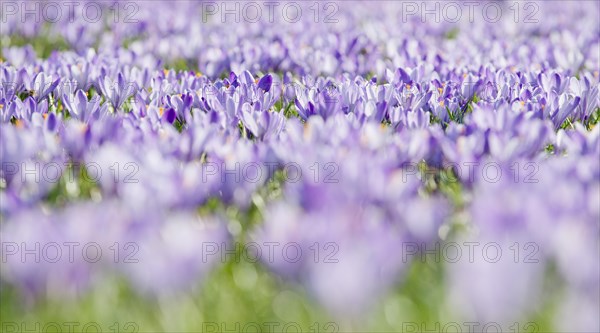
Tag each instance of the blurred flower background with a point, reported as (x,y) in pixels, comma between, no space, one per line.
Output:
(314,166)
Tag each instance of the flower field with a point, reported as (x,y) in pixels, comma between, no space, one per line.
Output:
(307,166)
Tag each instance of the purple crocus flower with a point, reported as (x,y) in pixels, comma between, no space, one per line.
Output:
(168,261)
(80,108)
(7,110)
(116,92)
(561,108)
(30,111)
(580,141)
(262,124)
(265,83)
(12,82)
(42,86)
(180,104)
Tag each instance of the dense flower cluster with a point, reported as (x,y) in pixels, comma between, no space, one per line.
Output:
(365,138)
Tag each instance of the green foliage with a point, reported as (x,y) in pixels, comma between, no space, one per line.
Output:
(181,64)
(75,184)
(290,111)
(180,125)
(594,119)
(43,44)
(452,33)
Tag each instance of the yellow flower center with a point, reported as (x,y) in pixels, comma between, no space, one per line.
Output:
(161,111)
